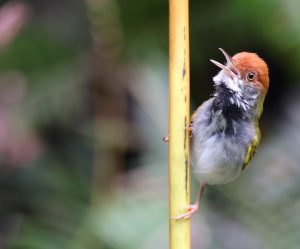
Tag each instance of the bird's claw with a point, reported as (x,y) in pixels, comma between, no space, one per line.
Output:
(189,129)
(190,211)
(166,138)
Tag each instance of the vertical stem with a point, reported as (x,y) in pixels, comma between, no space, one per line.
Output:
(179,71)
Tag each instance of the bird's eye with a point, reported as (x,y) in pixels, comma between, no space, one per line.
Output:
(251,76)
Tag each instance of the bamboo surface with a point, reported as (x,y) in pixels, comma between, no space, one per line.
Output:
(179,74)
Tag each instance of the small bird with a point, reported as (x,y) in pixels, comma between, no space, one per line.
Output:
(224,129)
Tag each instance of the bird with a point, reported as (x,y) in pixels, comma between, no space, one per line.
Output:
(224,130)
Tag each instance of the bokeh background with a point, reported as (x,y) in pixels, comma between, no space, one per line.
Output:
(83,108)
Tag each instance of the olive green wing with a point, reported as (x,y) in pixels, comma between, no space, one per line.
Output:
(252,149)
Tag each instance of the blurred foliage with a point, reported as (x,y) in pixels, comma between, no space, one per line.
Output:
(83,107)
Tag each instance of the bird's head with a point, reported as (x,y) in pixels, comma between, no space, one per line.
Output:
(246,77)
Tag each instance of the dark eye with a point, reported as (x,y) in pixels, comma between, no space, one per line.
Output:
(251,76)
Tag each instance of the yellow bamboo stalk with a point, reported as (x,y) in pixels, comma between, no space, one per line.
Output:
(179,73)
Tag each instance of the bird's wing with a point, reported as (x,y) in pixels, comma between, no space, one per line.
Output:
(202,108)
(252,149)
(199,112)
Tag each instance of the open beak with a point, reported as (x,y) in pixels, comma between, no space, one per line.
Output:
(230,68)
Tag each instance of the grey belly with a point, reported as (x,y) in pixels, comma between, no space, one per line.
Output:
(217,159)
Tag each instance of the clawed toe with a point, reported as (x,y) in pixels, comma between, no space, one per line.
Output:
(190,211)
(166,138)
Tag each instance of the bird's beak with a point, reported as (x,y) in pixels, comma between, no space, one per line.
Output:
(230,68)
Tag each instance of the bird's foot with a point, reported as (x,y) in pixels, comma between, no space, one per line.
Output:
(189,129)
(190,211)
(166,139)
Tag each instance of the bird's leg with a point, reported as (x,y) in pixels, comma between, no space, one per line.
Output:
(194,207)
(166,138)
